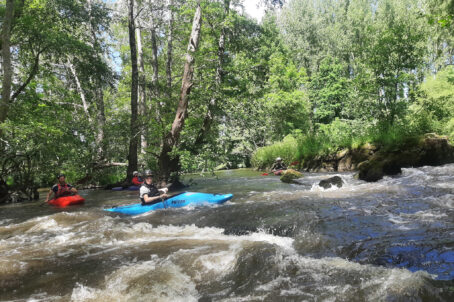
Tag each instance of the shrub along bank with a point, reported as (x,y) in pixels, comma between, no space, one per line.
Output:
(373,151)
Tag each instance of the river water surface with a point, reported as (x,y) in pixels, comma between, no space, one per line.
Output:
(387,241)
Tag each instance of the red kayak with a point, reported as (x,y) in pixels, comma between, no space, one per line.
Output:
(65,201)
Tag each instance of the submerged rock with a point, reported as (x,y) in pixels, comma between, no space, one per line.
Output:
(332,181)
(289,175)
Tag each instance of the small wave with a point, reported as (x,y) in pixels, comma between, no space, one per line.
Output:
(154,280)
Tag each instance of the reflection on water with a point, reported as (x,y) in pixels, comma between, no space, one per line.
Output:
(385,241)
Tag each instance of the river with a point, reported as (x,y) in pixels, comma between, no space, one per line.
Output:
(392,240)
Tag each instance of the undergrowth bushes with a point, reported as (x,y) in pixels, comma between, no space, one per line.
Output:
(265,156)
(338,135)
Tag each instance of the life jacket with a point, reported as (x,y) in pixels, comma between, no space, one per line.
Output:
(152,191)
(62,190)
(136,181)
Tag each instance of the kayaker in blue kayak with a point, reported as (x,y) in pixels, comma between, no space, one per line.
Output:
(149,194)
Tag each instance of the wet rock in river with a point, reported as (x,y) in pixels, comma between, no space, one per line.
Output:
(290,175)
(332,181)
(432,150)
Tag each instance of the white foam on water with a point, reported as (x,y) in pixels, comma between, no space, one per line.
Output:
(247,298)
(332,276)
(429,216)
(154,280)
(444,201)
(5,221)
(218,263)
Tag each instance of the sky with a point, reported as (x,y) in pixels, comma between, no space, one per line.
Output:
(250,6)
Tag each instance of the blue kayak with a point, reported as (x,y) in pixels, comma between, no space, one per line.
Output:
(130,188)
(177,201)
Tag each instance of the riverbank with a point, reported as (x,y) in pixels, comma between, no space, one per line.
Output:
(371,161)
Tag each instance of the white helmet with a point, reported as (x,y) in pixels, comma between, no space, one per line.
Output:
(135,173)
(278,159)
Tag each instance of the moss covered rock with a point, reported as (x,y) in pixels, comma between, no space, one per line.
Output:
(289,175)
(431,150)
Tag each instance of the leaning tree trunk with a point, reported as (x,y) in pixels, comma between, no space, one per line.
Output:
(7,66)
(134,129)
(167,163)
(80,91)
(212,105)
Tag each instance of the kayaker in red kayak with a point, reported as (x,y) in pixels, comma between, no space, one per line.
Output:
(149,194)
(61,188)
(136,179)
(278,166)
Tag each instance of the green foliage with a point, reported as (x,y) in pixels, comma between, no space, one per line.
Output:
(317,77)
(434,108)
(287,149)
(330,91)
(286,103)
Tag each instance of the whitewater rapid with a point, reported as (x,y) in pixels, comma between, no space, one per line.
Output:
(385,241)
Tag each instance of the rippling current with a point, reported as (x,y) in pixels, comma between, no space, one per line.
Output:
(387,241)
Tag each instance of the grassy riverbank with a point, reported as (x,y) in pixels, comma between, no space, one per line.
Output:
(337,136)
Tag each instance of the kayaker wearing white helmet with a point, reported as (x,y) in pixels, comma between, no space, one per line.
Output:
(136,179)
(149,194)
(278,165)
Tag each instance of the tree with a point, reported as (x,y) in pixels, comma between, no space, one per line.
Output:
(134,129)
(168,163)
(330,92)
(6,64)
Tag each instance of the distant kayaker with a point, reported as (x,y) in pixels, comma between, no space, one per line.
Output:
(136,179)
(149,194)
(278,165)
(61,188)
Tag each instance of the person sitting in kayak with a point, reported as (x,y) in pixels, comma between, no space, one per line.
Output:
(278,165)
(61,188)
(136,179)
(149,194)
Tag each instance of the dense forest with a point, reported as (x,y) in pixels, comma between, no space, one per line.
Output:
(97,89)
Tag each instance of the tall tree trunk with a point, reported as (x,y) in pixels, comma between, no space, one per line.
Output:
(154,51)
(99,99)
(155,76)
(142,92)
(167,163)
(208,120)
(101,123)
(169,51)
(133,141)
(7,66)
